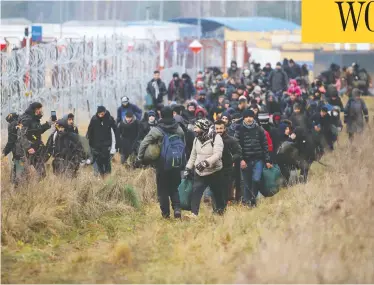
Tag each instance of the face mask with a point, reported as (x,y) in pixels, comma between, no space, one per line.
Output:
(334,113)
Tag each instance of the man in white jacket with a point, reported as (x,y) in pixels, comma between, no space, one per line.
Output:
(206,158)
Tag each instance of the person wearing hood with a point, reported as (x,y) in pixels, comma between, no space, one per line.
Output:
(220,91)
(176,89)
(125,107)
(278,80)
(295,69)
(10,146)
(230,87)
(255,154)
(34,149)
(290,103)
(149,121)
(354,114)
(267,70)
(167,180)
(298,118)
(66,149)
(99,135)
(234,71)
(189,114)
(189,90)
(272,104)
(205,165)
(156,88)
(246,79)
(129,131)
(231,152)
(257,91)
(286,67)
(202,101)
(325,128)
(260,103)
(71,127)
(333,97)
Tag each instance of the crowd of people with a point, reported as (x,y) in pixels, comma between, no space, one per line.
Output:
(221,131)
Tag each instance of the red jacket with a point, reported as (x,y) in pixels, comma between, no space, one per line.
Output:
(270,142)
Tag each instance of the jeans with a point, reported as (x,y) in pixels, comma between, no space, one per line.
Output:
(214,182)
(252,179)
(167,187)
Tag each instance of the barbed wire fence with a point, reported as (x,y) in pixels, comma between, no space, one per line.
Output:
(78,75)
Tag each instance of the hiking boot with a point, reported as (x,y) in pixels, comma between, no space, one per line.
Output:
(165,216)
(177,214)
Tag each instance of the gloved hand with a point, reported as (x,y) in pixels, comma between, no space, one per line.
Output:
(202,165)
(187,174)
(138,163)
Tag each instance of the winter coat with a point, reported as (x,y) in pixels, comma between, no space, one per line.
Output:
(211,151)
(145,128)
(99,132)
(290,104)
(231,152)
(66,146)
(33,129)
(122,111)
(295,71)
(157,97)
(176,91)
(299,120)
(234,73)
(128,135)
(204,104)
(253,142)
(354,114)
(12,136)
(155,136)
(336,102)
(278,80)
(188,89)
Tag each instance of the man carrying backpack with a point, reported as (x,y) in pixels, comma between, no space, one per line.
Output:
(231,152)
(172,160)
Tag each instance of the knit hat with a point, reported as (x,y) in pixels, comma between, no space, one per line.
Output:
(202,93)
(257,90)
(129,114)
(248,113)
(282,127)
(263,117)
(203,124)
(279,64)
(356,92)
(151,113)
(221,85)
(100,109)
(241,87)
(125,99)
(297,106)
(167,113)
(226,102)
(324,109)
(226,114)
(242,98)
(175,74)
(62,123)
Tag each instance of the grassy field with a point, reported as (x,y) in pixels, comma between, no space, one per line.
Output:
(92,231)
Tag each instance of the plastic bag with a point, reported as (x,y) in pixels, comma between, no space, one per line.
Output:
(185,194)
(271,178)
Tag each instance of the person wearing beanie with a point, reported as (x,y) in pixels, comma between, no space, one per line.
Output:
(149,121)
(290,102)
(167,180)
(176,89)
(234,101)
(202,101)
(69,118)
(129,131)
(278,80)
(125,107)
(356,114)
(234,72)
(205,165)
(66,149)
(255,152)
(100,139)
(189,90)
(189,114)
(241,90)
(324,128)
(31,132)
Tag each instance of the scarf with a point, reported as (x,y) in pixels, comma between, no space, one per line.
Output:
(250,126)
(207,135)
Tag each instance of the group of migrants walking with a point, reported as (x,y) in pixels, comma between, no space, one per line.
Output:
(225,136)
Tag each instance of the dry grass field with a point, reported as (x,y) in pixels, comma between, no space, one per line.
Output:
(92,231)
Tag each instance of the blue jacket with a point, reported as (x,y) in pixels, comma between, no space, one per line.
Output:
(121,112)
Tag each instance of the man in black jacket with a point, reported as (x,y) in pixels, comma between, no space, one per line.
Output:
(278,80)
(255,154)
(72,128)
(12,120)
(231,152)
(66,149)
(157,89)
(32,147)
(129,131)
(99,135)
(167,180)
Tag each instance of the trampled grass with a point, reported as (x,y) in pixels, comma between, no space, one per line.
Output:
(91,231)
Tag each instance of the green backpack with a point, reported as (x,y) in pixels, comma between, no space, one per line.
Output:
(185,194)
(271,178)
